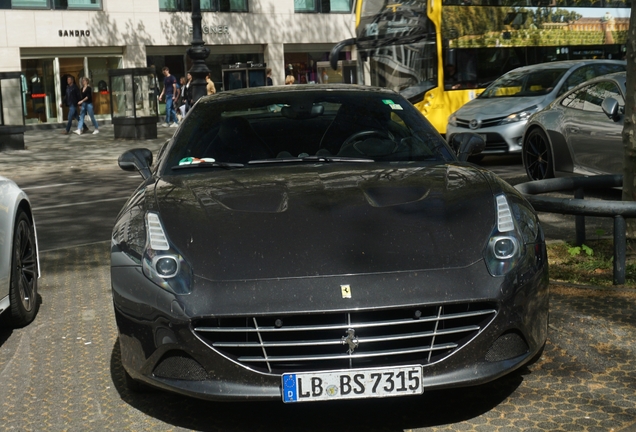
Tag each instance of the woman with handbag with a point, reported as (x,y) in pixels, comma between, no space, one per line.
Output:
(86,107)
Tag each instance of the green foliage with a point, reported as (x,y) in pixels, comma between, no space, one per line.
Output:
(576,250)
(591,264)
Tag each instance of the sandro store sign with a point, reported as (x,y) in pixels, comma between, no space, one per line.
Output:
(74,33)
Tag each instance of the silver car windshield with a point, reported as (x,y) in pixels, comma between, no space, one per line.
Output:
(524,83)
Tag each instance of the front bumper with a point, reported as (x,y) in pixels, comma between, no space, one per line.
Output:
(160,347)
(502,139)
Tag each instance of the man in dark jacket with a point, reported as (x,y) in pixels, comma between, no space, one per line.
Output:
(72,97)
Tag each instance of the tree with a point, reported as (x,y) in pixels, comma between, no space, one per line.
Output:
(629,128)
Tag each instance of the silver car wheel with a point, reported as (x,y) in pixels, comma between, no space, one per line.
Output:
(23,293)
(537,156)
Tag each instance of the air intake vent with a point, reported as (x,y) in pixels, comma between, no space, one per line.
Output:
(508,346)
(180,366)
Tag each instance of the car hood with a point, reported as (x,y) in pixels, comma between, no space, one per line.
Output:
(321,220)
(485,108)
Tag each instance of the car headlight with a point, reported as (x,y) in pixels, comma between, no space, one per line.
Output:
(161,262)
(520,116)
(504,247)
(452,120)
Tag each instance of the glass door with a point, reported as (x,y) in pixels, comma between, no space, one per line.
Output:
(69,67)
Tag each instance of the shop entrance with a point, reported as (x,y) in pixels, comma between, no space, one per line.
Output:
(69,67)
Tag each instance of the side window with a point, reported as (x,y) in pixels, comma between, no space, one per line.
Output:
(577,77)
(591,97)
(600,91)
(575,100)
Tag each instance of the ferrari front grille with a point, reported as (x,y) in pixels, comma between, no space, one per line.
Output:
(325,341)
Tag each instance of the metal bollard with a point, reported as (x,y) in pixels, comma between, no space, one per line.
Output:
(620,248)
(579,220)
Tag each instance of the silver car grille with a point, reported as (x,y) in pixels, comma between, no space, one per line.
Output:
(465,123)
(324,341)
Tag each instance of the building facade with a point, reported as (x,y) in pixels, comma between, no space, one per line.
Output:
(49,40)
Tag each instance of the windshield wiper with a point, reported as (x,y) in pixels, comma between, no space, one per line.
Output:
(225,165)
(310,159)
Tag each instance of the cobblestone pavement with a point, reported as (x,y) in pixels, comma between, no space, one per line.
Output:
(49,151)
(63,373)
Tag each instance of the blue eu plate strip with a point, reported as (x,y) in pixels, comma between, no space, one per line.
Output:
(290,393)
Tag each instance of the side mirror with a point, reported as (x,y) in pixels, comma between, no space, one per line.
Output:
(467,144)
(610,108)
(139,159)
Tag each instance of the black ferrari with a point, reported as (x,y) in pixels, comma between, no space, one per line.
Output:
(308,243)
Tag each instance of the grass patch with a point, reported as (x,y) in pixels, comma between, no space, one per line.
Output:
(591,263)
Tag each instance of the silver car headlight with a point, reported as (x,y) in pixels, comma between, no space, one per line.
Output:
(521,115)
(505,244)
(161,263)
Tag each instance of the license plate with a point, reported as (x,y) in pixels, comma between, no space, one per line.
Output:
(483,136)
(352,384)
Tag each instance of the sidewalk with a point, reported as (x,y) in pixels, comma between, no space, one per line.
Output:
(50,151)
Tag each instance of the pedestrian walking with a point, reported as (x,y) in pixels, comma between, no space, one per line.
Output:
(86,107)
(211,89)
(268,77)
(182,98)
(71,98)
(187,93)
(170,90)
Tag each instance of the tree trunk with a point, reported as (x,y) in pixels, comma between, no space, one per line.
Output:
(629,129)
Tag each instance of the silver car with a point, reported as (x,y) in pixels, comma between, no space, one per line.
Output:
(19,265)
(501,112)
(579,133)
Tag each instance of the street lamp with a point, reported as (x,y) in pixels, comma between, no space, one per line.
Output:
(198,53)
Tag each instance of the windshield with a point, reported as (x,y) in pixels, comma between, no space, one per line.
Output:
(525,83)
(252,130)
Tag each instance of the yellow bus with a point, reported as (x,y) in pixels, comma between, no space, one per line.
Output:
(440,54)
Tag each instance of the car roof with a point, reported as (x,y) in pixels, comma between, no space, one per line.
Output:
(619,77)
(306,88)
(566,64)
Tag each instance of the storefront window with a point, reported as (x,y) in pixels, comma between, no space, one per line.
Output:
(42,100)
(323,6)
(302,66)
(98,69)
(314,68)
(39,99)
